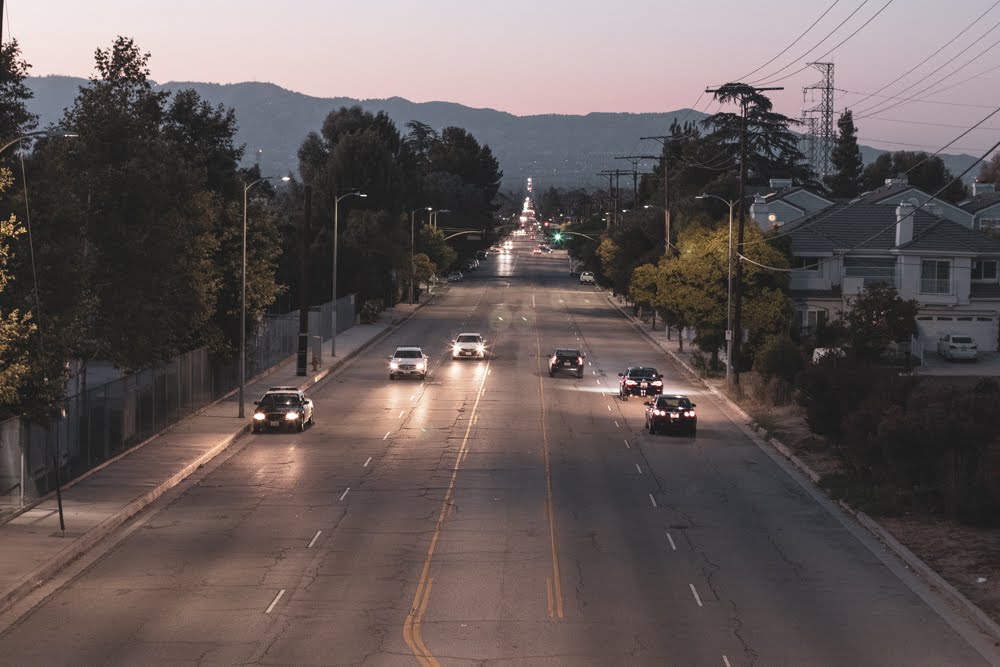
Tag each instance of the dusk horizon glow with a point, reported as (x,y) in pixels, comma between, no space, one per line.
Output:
(563,58)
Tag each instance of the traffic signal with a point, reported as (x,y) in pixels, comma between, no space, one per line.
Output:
(546,223)
(557,236)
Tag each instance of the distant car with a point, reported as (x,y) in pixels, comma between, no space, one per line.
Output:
(455,277)
(408,361)
(468,345)
(472,265)
(957,346)
(566,360)
(671,412)
(282,408)
(587,277)
(639,381)
(536,251)
(482,254)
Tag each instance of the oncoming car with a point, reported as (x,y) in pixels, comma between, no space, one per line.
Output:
(671,412)
(408,361)
(468,345)
(639,381)
(282,408)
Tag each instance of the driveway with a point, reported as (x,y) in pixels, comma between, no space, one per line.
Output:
(988,364)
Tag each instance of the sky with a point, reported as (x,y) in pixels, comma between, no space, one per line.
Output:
(566,56)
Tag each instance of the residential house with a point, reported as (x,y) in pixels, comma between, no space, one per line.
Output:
(927,254)
(984,207)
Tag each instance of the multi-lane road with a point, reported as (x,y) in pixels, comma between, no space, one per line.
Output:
(495,515)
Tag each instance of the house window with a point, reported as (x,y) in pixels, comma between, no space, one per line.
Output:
(807,263)
(811,319)
(985,270)
(990,226)
(935,276)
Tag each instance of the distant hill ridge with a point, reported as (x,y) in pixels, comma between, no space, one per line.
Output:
(556,150)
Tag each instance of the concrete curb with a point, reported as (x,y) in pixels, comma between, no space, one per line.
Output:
(92,537)
(931,578)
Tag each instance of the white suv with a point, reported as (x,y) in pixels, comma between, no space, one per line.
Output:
(587,277)
(468,345)
(408,361)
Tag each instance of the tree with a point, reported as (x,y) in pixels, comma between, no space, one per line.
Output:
(846,159)
(990,171)
(15,119)
(432,243)
(16,329)
(772,148)
(642,287)
(424,268)
(923,171)
(877,317)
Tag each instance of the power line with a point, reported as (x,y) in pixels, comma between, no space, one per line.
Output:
(941,48)
(925,101)
(795,41)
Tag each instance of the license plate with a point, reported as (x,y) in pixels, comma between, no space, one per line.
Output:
(643,385)
(567,363)
(273,423)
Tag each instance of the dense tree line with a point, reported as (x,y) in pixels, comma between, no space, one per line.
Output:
(134,250)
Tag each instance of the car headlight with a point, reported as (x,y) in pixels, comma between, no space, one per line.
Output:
(480,348)
(291,416)
(393,365)
(421,364)
(456,349)
(659,413)
(689,413)
(259,416)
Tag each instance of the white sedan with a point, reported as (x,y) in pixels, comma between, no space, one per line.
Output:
(957,346)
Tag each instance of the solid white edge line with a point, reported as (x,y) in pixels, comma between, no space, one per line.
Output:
(638,468)
(609,408)
(387,434)
(627,446)
(671,540)
(401,413)
(275,601)
(344,494)
(616,424)
(725,660)
(695,594)
(313,540)
(652,499)
(367,462)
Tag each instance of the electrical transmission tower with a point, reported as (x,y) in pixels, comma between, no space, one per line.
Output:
(825,136)
(808,143)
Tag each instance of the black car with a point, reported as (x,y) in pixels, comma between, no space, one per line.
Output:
(282,408)
(639,381)
(568,360)
(671,412)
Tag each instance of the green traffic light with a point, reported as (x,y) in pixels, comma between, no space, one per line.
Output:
(557,236)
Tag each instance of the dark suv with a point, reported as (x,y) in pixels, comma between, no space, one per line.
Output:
(671,412)
(566,359)
(640,381)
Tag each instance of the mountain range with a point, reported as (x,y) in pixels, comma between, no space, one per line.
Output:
(555,150)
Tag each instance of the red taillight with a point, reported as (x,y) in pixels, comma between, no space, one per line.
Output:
(657,383)
(579,360)
(552,360)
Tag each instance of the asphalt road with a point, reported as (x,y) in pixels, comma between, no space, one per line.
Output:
(492,515)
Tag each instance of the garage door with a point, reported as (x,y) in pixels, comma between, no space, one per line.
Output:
(983,330)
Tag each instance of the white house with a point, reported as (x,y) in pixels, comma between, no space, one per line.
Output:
(950,269)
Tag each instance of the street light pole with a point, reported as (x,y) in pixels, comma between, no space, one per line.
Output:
(243,293)
(336,207)
(413,267)
(40,133)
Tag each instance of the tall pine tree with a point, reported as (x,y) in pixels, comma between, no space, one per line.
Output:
(846,159)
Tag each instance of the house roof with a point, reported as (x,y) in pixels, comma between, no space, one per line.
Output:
(979,202)
(872,227)
(886,191)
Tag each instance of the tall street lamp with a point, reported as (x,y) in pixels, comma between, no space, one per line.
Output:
(336,207)
(729,292)
(413,267)
(243,292)
(434,216)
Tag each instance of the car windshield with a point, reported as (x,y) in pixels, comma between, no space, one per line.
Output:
(961,339)
(408,354)
(643,373)
(666,402)
(567,353)
(468,338)
(278,400)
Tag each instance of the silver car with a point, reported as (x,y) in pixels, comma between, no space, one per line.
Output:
(408,361)
(957,346)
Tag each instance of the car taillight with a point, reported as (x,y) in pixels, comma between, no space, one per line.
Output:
(657,383)
(579,360)
(630,382)
(553,359)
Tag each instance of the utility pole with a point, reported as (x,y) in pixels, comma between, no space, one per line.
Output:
(666,188)
(745,92)
(615,174)
(826,135)
(635,160)
(301,366)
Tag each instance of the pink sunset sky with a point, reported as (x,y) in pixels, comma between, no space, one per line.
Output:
(564,57)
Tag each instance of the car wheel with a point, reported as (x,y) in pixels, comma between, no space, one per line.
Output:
(301,426)
(624,396)
(551,374)
(392,376)
(255,429)
(579,374)
(424,376)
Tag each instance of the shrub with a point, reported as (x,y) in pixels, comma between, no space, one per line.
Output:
(370,312)
(707,366)
(779,357)
(830,390)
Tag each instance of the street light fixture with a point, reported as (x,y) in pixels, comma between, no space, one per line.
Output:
(434,216)
(243,292)
(413,267)
(40,133)
(336,207)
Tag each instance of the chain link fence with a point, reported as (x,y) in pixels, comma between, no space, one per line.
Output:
(96,425)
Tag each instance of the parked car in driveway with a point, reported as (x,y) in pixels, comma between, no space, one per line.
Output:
(957,346)
(671,412)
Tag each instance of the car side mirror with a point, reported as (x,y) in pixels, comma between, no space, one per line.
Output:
(694,405)
(256,402)
(660,376)
(646,403)
(621,375)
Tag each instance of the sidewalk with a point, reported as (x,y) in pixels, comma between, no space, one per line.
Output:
(94,505)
